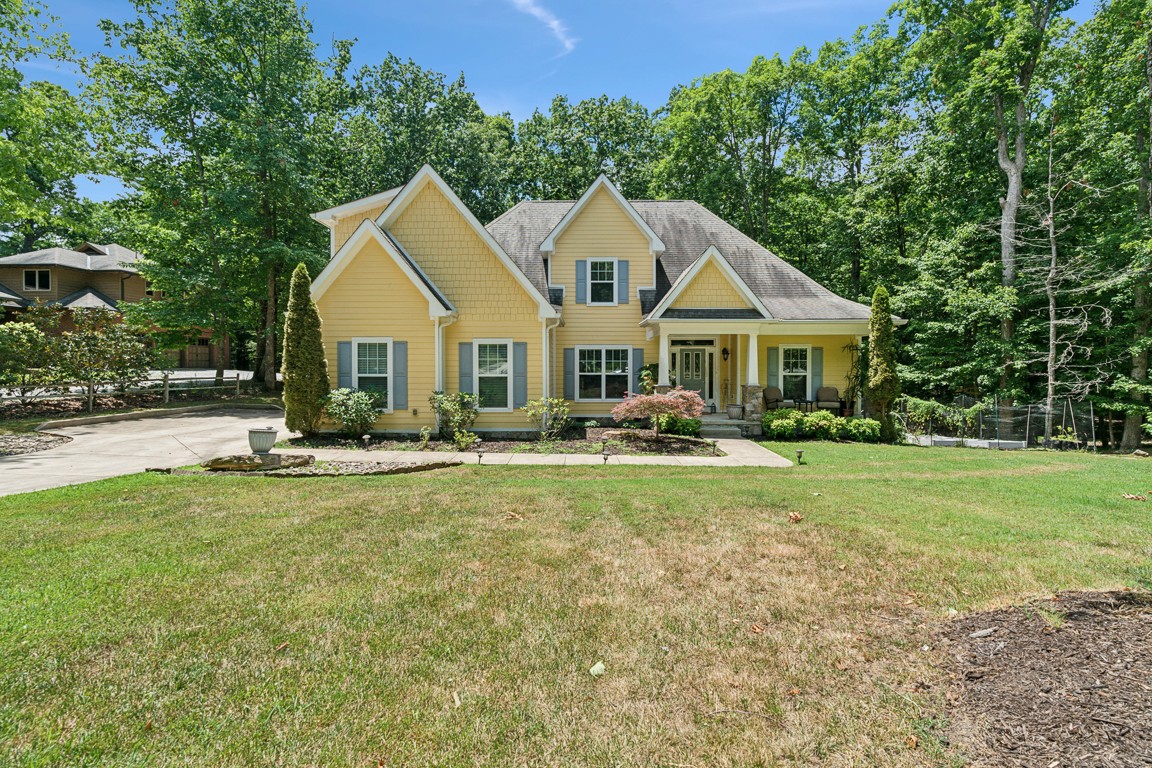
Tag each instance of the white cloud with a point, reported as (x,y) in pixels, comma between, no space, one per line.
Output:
(558,28)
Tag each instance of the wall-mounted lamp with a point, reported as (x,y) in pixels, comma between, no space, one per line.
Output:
(724,354)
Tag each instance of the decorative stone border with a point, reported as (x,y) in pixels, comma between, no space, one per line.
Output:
(330,469)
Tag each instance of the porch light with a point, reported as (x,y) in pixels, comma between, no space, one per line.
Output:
(724,354)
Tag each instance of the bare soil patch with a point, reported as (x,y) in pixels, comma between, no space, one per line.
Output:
(1058,682)
(14,445)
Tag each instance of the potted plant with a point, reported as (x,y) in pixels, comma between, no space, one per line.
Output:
(261,439)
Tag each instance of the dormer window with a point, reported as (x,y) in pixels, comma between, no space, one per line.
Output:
(602,282)
(37,279)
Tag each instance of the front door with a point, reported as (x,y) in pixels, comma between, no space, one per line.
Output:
(694,370)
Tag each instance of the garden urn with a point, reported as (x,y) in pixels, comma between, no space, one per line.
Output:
(261,439)
(735,411)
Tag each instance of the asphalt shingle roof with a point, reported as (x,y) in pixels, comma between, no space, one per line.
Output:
(86,298)
(90,258)
(9,298)
(687,229)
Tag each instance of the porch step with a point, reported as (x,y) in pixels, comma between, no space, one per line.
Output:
(717,431)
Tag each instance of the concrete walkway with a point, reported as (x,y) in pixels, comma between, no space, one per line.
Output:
(99,451)
(741,453)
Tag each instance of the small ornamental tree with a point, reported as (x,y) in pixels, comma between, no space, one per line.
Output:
(883,383)
(304,367)
(679,402)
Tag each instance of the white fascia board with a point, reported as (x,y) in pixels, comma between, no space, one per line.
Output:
(328,216)
(710,255)
(655,244)
(427,175)
(366,231)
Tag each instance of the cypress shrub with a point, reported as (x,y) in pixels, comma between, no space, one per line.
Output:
(883,383)
(304,367)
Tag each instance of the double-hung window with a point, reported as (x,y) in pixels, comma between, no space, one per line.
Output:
(37,279)
(372,370)
(602,281)
(493,371)
(794,372)
(602,373)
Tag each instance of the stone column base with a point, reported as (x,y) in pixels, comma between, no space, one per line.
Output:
(662,389)
(753,396)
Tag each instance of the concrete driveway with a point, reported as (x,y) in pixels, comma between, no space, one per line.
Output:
(98,451)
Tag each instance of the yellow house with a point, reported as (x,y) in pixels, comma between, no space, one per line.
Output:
(570,299)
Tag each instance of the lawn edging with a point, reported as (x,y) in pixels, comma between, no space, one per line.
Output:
(153,413)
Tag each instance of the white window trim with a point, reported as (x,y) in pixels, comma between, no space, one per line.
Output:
(807,374)
(615,282)
(356,342)
(37,289)
(476,371)
(576,373)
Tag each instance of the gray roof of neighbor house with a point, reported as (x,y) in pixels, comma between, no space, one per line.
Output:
(687,229)
(89,257)
(86,298)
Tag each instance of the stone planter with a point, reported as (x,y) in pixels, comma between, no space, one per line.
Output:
(735,411)
(261,439)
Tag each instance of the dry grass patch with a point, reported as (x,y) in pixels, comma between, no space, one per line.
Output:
(452,618)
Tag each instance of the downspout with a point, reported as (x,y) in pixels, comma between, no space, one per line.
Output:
(441,324)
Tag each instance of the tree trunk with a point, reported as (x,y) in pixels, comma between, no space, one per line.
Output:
(1141,307)
(1050,292)
(270,334)
(1012,164)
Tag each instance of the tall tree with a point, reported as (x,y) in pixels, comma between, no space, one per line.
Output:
(208,113)
(883,381)
(305,369)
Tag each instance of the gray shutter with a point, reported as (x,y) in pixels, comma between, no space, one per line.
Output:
(519,374)
(399,375)
(637,364)
(622,281)
(344,365)
(581,281)
(570,373)
(465,366)
(773,366)
(817,372)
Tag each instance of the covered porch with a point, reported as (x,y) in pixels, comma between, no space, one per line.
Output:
(732,363)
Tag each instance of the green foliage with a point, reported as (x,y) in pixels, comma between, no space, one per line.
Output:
(455,414)
(353,411)
(101,350)
(425,436)
(921,417)
(790,424)
(649,375)
(549,415)
(305,370)
(883,381)
(676,425)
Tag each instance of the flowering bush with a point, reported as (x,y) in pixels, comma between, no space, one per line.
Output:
(679,402)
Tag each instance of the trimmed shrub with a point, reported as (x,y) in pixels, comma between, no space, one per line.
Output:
(304,367)
(675,425)
(782,424)
(549,415)
(789,424)
(354,412)
(861,430)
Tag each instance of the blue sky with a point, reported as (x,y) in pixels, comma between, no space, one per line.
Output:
(517,54)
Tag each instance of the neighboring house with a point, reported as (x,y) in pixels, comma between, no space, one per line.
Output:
(570,299)
(91,276)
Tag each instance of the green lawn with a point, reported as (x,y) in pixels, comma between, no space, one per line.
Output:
(451,618)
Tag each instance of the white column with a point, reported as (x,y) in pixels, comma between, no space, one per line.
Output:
(665,358)
(753,360)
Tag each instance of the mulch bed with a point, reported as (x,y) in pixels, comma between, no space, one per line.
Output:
(327,469)
(618,442)
(1065,681)
(78,406)
(14,445)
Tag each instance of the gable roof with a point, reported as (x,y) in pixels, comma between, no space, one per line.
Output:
(710,256)
(655,244)
(687,229)
(9,298)
(88,257)
(427,175)
(86,298)
(438,304)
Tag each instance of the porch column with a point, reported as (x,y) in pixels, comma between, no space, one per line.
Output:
(753,360)
(753,391)
(665,359)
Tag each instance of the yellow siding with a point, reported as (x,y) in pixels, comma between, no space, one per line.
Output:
(710,289)
(491,303)
(373,297)
(837,360)
(601,230)
(346,226)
